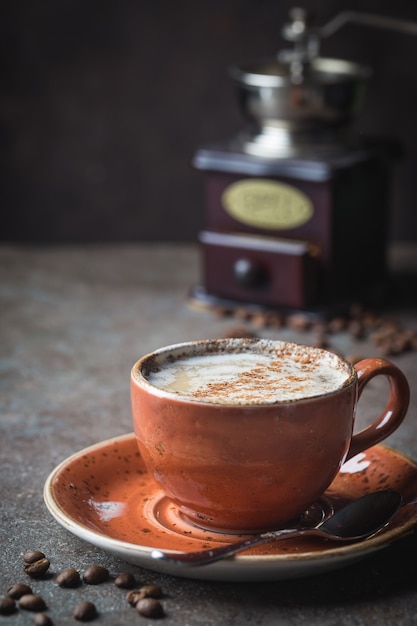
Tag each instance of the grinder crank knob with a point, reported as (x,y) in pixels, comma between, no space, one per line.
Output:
(249,273)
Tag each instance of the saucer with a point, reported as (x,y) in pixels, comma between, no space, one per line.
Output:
(104,495)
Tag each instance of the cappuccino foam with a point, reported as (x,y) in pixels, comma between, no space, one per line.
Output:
(286,373)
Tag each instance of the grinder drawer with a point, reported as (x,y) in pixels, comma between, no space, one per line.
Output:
(260,270)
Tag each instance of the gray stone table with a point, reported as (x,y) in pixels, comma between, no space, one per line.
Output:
(73,321)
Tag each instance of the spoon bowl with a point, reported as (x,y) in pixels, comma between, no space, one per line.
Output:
(358,520)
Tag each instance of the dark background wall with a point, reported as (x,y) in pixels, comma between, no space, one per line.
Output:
(103,104)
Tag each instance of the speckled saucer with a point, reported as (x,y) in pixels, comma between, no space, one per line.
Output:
(104,495)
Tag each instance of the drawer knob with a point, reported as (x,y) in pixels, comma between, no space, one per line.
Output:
(249,273)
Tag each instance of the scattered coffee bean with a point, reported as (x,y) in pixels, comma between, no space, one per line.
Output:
(370,319)
(18,590)
(95,574)
(7,606)
(151,591)
(389,348)
(299,321)
(242,314)
(125,580)
(319,325)
(239,332)
(221,311)
(133,597)
(84,611)
(320,340)
(68,578)
(356,329)
(382,335)
(149,607)
(41,619)
(337,324)
(268,319)
(388,324)
(37,569)
(32,602)
(260,320)
(33,555)
(391,340)
(276,320)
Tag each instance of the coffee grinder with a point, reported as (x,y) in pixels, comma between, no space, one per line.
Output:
(296,203)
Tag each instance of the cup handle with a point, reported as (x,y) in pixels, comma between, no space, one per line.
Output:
(395,410)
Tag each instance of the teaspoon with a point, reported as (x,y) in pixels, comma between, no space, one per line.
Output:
(359,519)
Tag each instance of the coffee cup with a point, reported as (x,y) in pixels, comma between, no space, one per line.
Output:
(243,435)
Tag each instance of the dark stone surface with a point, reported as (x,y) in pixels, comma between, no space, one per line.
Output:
(73,321)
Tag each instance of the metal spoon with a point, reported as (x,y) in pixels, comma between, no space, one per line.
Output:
(359,519)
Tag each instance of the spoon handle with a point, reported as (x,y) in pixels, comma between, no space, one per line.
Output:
(204,557)
(360,519)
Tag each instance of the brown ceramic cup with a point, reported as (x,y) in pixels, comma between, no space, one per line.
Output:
(254,464)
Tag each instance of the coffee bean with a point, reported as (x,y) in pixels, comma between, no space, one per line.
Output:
(320,340)
(125,580)
(151,591)
(336,325)
(32,602)
(149,607)
(36,569)
(275,320)
(260,320)
(7,606)
(319,326)
(242,314)
(33,555)
(68,578)
(389,325)
(386,348)
(299,321)
(95,575)
(356,329)
(370,320)
(41,619)
(381,336)
(18,590)
(221,311)
(237,332)
(84,611)
(133,597)
(267,319)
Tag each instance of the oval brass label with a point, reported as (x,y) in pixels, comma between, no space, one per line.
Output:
(267,204)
